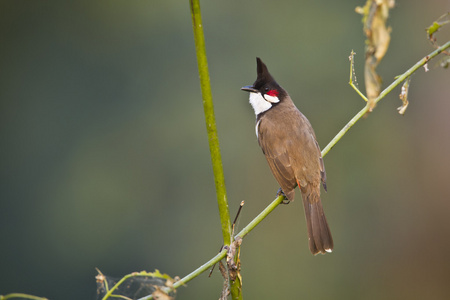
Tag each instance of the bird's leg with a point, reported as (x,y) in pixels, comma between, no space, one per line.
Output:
(281,193)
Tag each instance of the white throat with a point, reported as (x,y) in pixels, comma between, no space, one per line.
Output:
(260,104)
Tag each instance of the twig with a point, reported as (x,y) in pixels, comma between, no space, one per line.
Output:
(352,74)
(21,296)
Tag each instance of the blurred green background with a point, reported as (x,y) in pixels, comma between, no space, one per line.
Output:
(105,161)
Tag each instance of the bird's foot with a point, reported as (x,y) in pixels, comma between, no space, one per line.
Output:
(281,193)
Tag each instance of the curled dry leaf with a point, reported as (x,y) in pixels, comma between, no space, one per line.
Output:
(404,96)
(375,14)
(159,294)
(373,82)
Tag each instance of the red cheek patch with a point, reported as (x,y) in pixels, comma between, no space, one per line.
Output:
(273,93)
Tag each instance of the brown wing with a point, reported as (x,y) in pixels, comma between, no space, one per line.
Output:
(305,154)
(277,155)
(323,174)
(293,153)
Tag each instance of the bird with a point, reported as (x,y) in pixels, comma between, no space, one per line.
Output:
(289,144)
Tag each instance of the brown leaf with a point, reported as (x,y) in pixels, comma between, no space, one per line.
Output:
(375,14)
(158,294)
(404,96)
(373,82)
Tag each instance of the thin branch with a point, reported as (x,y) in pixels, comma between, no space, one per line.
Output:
(246,230)
(21,296)
(221,255)
(352,74)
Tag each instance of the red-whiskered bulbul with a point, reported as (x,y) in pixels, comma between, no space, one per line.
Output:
(288,141)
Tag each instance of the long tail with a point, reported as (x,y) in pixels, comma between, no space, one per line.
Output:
(319,235)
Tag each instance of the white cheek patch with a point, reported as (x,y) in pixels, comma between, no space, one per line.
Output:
(258,103)
(271,99)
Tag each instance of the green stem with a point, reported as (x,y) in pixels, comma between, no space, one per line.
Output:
(21,296)
(219,179)
(246,230)
(210,121)
(386,91)
(352,73)
(221,255)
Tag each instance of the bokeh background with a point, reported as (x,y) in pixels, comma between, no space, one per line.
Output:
(105,161)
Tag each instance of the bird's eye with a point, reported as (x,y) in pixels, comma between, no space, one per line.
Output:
(266,89)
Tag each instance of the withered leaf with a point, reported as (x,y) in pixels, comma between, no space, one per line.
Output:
(404,96)
(375,14)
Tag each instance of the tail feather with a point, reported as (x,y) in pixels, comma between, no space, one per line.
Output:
(319,235)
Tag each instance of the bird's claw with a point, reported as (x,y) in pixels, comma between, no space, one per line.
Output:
(281,193)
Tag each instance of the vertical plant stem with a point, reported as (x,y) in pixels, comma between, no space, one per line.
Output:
(210,121)
(235,286)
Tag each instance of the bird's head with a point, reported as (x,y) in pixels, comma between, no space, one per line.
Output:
(265,92)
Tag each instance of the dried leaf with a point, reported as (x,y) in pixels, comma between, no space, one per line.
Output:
(373,82)
(158,294)
(375,14)
(381,35)
(404,96)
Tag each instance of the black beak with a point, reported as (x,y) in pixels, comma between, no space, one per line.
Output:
(249,88)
